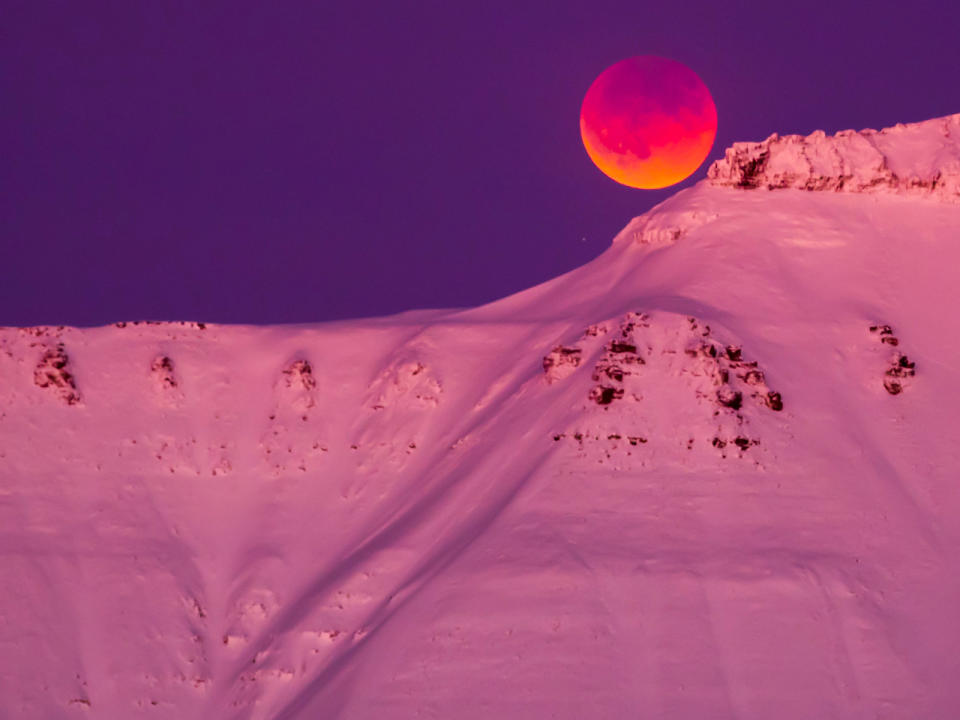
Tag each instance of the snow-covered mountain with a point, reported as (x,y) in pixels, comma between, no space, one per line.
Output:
(711,474)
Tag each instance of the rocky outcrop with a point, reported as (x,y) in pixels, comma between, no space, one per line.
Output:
(561,362)
(916,159)
(53,372)
(659,381)
(900,369)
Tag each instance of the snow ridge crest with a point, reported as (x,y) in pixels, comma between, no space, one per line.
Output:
(920,159)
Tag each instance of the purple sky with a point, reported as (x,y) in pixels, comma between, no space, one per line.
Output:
(305,161)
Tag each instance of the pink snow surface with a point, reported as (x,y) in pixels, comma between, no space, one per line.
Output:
(685,481)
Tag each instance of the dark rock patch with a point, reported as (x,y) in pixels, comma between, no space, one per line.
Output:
(53,372)
(561,362)
(604,395)
(901,369)
(162,367)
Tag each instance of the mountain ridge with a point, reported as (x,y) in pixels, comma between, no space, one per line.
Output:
(711,473)
(921,159)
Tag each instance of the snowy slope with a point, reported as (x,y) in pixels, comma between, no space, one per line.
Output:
(713,473)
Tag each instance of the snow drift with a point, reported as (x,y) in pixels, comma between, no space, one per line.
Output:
(712,473)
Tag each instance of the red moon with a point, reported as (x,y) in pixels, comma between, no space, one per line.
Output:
(648,122)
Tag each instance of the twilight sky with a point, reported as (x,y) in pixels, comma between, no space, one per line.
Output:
(304,161)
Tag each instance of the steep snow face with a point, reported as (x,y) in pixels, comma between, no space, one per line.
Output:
(916,159)
(712,473)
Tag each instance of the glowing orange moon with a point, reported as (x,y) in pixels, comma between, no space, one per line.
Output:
(648,122)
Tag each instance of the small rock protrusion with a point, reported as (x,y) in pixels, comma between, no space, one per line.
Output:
(618,346)
(300,372)
(774,401)
(53,372)
(561,362)
(886,334)
(728,397)
(901,368)
(604,395)
(595,330)
(753,376)
(162,367)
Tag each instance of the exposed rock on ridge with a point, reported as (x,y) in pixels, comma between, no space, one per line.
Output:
(916,159)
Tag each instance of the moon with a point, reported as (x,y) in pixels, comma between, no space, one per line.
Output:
(648,122)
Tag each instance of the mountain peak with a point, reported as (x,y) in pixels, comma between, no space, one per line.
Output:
(908,159)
